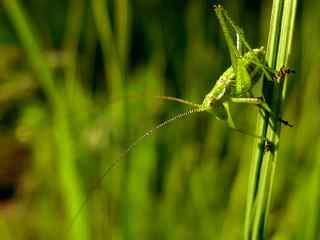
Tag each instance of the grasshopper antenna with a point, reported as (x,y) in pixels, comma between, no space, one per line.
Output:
(161,97)
(179,100)
(98,182)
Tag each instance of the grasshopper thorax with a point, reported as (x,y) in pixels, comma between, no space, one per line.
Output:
(226,86)
(256,53)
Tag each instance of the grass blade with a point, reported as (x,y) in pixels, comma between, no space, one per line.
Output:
(264,162)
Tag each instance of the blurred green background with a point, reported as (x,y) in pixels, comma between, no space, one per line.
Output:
(79,89)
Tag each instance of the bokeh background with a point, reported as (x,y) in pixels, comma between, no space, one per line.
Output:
(108,59)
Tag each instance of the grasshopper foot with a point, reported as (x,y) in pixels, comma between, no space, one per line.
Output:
(284,71)
(286,123)
(269,146)
(262,104)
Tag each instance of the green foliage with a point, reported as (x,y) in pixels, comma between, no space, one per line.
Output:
(78,63)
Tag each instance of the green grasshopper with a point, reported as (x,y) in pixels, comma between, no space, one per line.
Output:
(236,83)
(233,86)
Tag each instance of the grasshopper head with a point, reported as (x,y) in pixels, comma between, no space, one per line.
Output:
(214,106)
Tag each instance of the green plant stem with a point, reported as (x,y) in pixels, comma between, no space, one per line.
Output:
(264,162)
(112,62)
(71,42)
(27,39)
(61,126)
(122,21)
(114,69)
(262,124)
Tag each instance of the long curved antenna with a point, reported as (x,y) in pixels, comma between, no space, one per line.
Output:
(179,100)
(125,153)
(183,101)
(162,97)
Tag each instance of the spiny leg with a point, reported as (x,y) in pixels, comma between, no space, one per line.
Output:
(237,29)
(234,53)
(276,75)
(258,101)
(221,11)
(243,79)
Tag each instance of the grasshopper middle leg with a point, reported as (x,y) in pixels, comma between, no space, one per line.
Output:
(258,101)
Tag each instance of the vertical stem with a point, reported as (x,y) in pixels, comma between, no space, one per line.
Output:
(262,122)
(112,62)
(122,21)
(71,42)
(26,36)
(121,38)
(264,162)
